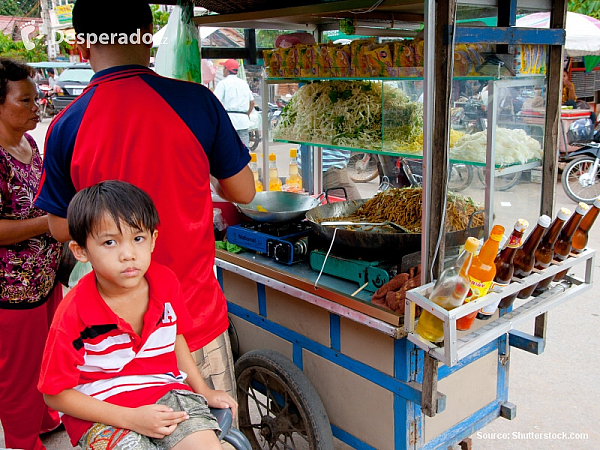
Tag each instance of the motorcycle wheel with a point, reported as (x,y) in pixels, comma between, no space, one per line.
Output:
(501,183)
(254,140)
(572,182)
(356,170)
(460,177)
(43,112)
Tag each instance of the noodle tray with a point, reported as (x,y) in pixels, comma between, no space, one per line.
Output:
(386,240)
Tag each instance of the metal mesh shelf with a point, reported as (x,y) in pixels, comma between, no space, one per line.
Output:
(456,348)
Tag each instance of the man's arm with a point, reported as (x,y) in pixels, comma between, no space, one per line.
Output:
(59,228)
(251,107)
(185,363)
(155,421)
(239,188)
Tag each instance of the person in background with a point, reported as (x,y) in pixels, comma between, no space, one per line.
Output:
(29,259)
(122,325)
(51,79)
(168,137)
(335,172)
(568,91)
(37,77)
(237,99)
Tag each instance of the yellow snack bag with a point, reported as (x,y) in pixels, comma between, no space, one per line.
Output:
(379,58)
(340,57)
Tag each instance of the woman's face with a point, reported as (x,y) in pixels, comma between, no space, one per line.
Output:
(19,111)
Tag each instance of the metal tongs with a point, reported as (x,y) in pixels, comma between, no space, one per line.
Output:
(387,223)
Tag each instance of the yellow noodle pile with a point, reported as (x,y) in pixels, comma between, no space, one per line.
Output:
(403,207)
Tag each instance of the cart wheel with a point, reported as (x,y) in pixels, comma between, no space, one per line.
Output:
(278,406)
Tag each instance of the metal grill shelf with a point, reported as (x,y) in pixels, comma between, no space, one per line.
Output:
(456,348)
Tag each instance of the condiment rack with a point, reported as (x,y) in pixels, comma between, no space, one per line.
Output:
(456,348)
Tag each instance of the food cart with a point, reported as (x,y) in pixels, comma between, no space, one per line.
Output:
(316,357)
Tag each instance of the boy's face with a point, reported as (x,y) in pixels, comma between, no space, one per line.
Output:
(120,258)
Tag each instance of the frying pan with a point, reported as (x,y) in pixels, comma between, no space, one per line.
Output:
(278,206)
(376,238)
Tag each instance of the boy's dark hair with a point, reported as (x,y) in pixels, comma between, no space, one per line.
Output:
(110,16)
(119,200)
(11,70)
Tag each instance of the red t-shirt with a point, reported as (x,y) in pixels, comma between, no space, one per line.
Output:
(92,350)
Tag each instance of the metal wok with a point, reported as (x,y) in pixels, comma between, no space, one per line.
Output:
(279,206)
(376,238)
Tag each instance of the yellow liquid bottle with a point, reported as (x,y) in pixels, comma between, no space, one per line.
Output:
(254,168)
(293,181)
(449,292)
(274,181)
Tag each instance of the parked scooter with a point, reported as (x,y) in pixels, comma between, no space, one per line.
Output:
(45,96)
(581,177)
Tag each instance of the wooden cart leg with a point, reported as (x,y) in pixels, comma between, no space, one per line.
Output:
(429,395)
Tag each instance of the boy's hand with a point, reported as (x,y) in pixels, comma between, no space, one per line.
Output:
(221,399)
(155,421)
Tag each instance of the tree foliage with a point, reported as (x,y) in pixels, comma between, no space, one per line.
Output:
(587,7)
(16,50)
(21,8)
(159,18)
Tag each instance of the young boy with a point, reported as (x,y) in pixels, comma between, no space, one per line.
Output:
(116,360)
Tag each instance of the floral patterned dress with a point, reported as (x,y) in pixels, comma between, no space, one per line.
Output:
(28,268)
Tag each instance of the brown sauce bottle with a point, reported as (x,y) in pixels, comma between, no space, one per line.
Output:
(545,251)
(524,259)
(563,245)
(580,238)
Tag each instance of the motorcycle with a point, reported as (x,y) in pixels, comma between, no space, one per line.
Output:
(45,95)
(362,168)
(254,129)
(581,176)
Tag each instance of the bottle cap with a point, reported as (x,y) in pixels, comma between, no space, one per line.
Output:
(563,214)
(544,221)
(272,157)
(497,233)
(293,152)
(252,157)
(471,244)
(521,225)
(582,208)
(597,202)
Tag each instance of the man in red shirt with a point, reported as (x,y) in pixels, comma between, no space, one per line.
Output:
(170,138)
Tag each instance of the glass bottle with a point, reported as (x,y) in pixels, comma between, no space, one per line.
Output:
(481,274)
(563,245)
(524,259)
(293,181)
(504,266)
(274,181)
(254,168)
(449,292)
(580,238)
(545,251)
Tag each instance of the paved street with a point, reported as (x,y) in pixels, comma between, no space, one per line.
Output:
(556,393)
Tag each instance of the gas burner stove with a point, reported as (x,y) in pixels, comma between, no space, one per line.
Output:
(286,243)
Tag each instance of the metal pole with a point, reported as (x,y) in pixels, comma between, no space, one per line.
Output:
(428,108)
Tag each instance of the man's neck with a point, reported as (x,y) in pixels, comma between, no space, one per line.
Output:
(105,58)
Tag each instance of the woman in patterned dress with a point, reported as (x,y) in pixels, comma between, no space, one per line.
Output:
(29,259)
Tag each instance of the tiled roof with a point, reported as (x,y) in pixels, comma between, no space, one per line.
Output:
(7,25)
